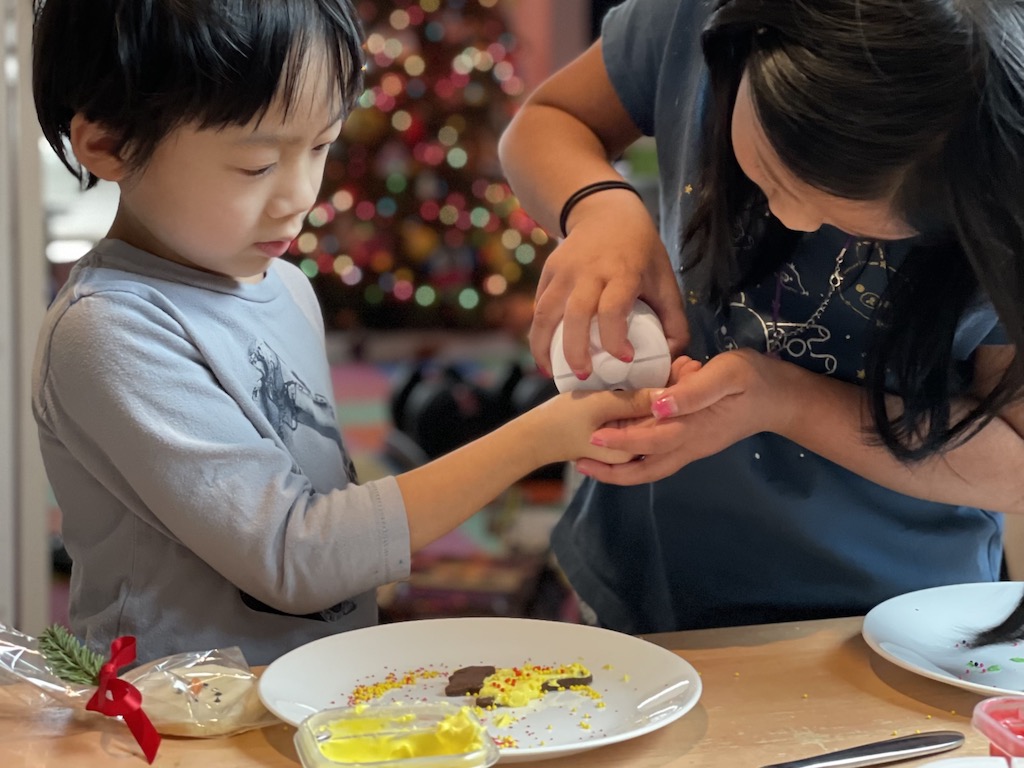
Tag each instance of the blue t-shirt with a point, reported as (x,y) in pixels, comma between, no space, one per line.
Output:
(765,530)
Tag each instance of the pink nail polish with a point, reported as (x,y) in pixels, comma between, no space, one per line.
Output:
(627,358)
(665,408)
(582,375)
(595,440)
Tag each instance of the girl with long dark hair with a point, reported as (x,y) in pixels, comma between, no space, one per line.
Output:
(841,247)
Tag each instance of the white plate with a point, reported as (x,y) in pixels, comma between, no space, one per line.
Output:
(927,632)
(643,687)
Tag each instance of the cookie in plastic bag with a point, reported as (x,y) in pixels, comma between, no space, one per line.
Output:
(208,693)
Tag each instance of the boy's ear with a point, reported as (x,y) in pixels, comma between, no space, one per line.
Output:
(95,147)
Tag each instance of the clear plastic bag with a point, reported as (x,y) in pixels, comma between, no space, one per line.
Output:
(207,693)
(198,694)
(21,662)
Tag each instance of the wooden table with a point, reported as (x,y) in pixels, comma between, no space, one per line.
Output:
(771,693)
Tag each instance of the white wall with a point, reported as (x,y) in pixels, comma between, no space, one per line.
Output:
(7,432)
(24,548)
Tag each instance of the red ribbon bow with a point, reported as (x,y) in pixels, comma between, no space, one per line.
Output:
(115,697)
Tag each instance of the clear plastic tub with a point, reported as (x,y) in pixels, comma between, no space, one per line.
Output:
(431,735)
(1001,721)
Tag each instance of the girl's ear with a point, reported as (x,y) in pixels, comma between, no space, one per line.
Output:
(95,147)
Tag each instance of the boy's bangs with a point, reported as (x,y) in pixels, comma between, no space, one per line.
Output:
(228,64)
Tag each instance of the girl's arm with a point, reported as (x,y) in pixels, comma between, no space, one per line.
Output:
(738,394)
(564,138)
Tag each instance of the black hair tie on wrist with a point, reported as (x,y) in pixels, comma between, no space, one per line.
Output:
(587,191)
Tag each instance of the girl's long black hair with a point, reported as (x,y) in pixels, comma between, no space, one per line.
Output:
(917,101)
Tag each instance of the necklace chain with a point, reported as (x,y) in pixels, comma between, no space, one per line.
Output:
(777,338)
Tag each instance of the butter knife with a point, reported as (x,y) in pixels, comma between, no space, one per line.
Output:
(877,752)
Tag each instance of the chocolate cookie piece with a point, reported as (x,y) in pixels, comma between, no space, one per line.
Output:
(567,682)
(467,680)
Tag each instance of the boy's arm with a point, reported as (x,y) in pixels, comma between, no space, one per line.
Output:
(440,495)
(128,393)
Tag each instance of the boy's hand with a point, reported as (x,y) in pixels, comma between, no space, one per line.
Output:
(569,421)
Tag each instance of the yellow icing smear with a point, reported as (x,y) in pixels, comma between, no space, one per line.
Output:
(376,739)
(518,686)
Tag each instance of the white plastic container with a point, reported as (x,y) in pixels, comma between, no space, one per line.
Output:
(435,735)
(650,366)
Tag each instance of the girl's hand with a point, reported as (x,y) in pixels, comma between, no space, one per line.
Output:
(703,411)
(612,256)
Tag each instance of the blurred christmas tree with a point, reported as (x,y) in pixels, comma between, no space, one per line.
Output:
(416,226)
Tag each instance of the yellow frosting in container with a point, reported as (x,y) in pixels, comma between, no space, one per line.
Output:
(425,735)
(374,739)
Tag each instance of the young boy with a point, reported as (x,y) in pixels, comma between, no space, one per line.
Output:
(181,387)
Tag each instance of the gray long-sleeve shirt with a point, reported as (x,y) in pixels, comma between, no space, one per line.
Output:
(188,430)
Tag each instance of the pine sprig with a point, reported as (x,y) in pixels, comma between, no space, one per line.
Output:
(69,659)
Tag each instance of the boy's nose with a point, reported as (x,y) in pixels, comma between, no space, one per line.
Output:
(295,196)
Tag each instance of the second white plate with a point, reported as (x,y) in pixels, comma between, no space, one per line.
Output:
(928,632)
(642,686)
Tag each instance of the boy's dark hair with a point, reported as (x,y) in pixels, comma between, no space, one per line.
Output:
(918,101)
(142,68)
